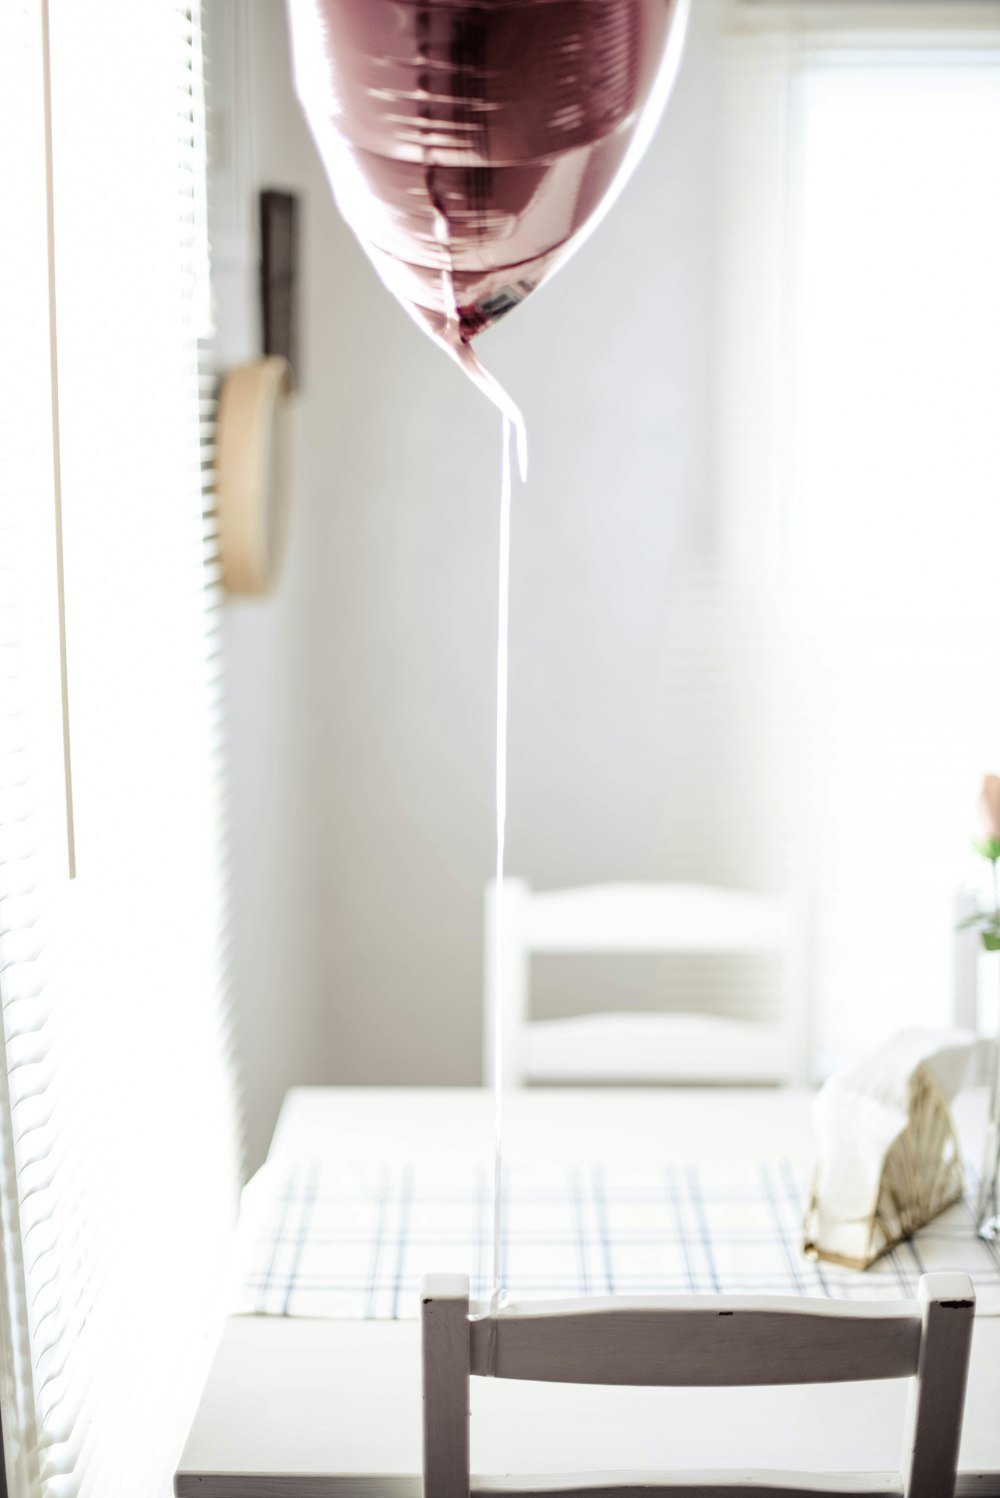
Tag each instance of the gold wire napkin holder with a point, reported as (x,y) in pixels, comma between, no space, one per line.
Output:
(921,1177)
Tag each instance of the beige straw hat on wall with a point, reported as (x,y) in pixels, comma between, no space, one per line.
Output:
(254,473)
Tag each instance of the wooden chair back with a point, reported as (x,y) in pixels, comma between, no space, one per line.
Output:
(689,919)
(716,1341)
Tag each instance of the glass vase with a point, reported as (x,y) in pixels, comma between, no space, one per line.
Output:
(988,1198)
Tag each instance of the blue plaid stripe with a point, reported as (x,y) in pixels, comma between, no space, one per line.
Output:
(322,1242)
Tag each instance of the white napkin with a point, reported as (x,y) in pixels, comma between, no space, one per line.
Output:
(858,1115)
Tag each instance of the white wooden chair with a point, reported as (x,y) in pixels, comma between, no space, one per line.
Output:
(622,1047)
(702,1341)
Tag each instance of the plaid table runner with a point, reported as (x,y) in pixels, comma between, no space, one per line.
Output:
(354,1243)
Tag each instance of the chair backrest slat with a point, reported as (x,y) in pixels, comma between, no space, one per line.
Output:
(698,1341)
(654,918)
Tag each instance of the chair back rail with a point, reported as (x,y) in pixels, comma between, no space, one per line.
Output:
(654,918)
(702,1341)
(699,1341)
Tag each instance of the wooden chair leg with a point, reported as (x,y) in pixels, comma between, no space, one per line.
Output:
(933,1428)
(444,1315)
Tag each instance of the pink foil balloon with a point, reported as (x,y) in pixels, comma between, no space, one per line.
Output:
(472,144)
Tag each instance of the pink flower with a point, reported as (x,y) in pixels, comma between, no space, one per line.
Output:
(989,807)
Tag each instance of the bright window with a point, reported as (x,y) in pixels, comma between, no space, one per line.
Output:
(861,483)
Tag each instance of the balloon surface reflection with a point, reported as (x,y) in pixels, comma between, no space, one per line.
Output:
(471,144)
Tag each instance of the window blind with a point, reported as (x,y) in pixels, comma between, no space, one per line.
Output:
(118,1119)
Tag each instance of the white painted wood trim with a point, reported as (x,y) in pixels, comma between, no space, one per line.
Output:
(711,1341)
(444,1315)
(655,918)
(645,1047)
(933,1427)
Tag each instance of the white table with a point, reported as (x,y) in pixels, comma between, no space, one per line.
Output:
(312,1409)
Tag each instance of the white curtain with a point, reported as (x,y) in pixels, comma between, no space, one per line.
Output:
(118,1123)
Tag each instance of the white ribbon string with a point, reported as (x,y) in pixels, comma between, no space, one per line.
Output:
(503,671)
(513,429)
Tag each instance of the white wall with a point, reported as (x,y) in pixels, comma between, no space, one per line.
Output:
(362,696)
(258,139)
